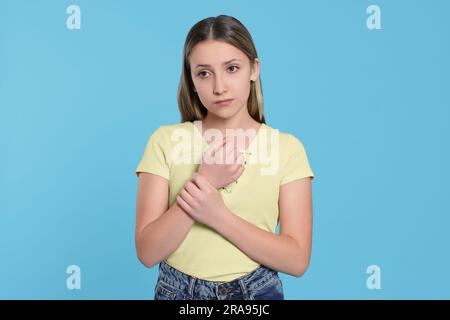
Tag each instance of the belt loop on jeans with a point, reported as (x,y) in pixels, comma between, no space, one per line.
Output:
(191,287)
(244,290)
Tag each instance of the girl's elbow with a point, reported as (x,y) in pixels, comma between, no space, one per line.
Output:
(146,262)
(301,269)
(143,257)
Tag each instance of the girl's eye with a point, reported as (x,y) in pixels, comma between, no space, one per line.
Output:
(234,67)
(201,73)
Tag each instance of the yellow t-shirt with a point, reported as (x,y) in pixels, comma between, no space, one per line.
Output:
(273,159)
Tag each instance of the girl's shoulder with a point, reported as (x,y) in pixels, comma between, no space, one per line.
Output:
(165,132)
(285,139)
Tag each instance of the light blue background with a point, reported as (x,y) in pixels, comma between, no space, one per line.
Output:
(370,106)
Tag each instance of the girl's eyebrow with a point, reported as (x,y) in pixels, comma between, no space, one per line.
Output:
(226,62)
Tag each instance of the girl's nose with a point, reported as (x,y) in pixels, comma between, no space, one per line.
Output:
(219,86)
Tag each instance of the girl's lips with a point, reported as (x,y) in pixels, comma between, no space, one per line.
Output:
(224,103)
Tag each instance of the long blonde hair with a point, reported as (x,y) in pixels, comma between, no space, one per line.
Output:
(226,29)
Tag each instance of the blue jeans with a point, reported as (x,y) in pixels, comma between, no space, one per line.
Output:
(261,284)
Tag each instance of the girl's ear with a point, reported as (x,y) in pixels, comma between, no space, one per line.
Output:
(255,70)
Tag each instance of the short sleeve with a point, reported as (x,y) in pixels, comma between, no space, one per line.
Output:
(296,166)
(154,158)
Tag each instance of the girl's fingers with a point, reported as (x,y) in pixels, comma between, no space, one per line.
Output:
(226,148)
(240,159)
(188,198)
(237,157)
(229,149)
(231,152)
(201,182)
(217,145)
(183,204)
(192,189)
(209,156)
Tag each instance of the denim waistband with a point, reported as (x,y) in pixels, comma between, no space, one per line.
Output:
(183,281)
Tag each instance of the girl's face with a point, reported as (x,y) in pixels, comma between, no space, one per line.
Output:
(220,71)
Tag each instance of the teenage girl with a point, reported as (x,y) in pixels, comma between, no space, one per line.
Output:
(209,217)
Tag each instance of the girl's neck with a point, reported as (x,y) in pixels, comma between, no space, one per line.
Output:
(232,123)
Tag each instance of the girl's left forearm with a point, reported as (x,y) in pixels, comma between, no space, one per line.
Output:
(278,252)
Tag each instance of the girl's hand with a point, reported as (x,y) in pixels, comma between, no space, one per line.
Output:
(202,201)
(221,171)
